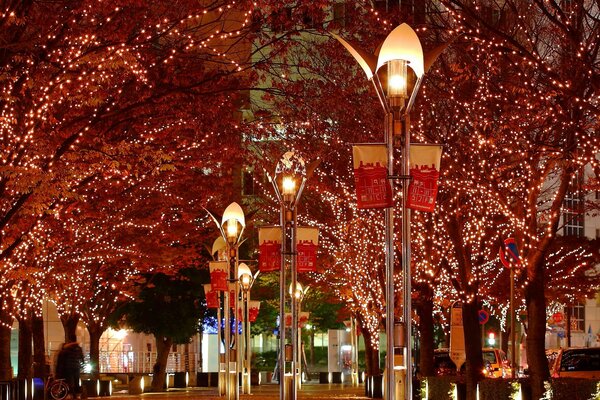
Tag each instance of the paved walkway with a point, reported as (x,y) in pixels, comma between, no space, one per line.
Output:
(312,391)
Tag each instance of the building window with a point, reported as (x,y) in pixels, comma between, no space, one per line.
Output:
(578,318)
(573,208)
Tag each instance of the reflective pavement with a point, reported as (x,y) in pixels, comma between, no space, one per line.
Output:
(312,391)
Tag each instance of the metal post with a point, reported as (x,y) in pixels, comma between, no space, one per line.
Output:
(282,304)
(512,321)
(389,267)
(248,345)
(406,271)
(238,345)
(294,335)
(219,335)
(227,327)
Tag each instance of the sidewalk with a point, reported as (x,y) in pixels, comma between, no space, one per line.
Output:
(312,391)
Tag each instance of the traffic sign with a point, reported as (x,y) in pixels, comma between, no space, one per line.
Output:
(483,316)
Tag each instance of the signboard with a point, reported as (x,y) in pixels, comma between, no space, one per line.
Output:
(457,336)
(483,316)
(558,317)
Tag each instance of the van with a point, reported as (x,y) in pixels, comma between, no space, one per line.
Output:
(583,362)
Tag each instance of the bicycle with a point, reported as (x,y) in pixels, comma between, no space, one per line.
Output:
(56,389)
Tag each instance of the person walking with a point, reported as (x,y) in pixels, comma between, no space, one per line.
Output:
(69,363)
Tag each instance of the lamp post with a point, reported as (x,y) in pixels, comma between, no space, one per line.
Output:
(401,49)
(298,295)
(246,281)
(231,227)
(288,183)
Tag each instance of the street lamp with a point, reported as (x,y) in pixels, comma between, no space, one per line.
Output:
(288,183)
(246,281)
(400,50)
(231,228)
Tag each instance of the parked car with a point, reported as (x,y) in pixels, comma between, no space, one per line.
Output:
(573,362)
(495,363)
(443,364)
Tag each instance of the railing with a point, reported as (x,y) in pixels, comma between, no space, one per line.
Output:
(143,361)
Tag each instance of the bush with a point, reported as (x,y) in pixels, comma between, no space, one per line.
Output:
(574,388)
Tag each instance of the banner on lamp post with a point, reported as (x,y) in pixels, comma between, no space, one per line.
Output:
(253,309)
(302,319)
(269,249)
(212,297)
(307,241)
(373,189)
(424,172)
(218,275)
(232,296)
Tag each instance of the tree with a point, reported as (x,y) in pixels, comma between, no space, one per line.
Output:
(168,307)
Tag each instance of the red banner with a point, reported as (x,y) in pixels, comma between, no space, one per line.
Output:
(218,275)
(269,248)
(253,309)
(302,319)
(232,296)
(425,173)
(307,241)
(212,297)
(373,189)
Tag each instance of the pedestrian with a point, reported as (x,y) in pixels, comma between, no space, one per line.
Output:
(69,363)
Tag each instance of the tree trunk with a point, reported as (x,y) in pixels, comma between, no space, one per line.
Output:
(69,323)
(536,333)
(371,356)
(424,309)
(472,347)
(25,349)
(95,334)
(159,371)
(41,364)
(5,330)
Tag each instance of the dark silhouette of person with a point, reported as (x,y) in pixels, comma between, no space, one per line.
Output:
(69,363)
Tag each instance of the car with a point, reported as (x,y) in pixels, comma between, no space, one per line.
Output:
(495,363)
(443,364)
(577,362)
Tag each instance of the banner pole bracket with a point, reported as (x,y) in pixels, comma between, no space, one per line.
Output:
(400,177)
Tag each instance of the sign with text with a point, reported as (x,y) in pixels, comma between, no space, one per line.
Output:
(424,172)
(457,336)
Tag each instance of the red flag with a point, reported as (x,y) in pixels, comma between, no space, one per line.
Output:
(269,248)
(373,189)
(253,309)
(425,173)
(212,297)
(307,240)
(218,275)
